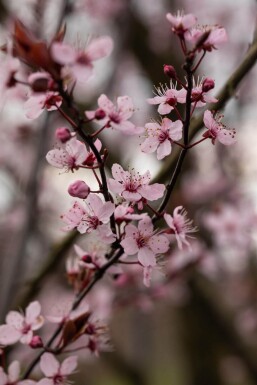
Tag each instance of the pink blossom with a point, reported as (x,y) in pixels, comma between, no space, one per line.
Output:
(115,117)
(144,242)
(91,260)
(198,96)
(56,373)
(80,62)
(161,136)
(134,187)
(36,103)
(181,23)
(216,35)
(79,189)
(12,378)
(167,98)
(217,130)
(180,225)
(19,327)
(72,155)
(94,215)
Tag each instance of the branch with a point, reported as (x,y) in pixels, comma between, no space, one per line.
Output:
(226,93)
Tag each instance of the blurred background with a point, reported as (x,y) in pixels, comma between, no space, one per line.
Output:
(200,328)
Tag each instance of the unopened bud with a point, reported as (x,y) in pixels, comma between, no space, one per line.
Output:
(63,134)
(36,342)
(100,114)
(208,84)
(169,71)
(171,101)
(86,258)
(79,189)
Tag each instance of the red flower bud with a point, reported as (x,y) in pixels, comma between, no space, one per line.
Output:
(100,114)
(208,84)
(79,189)
(63,134)
(169,71)
(36,342)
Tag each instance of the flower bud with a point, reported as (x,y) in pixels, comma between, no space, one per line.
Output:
(100,114)
(208,84)
(169,71)
(63,134)
(36,342)
(87,258)
(79,189)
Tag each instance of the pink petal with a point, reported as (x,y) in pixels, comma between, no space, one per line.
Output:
(152,192)
(3,377)
(14,371)
(165,108)
(150,145)
(164,149)
(208,119)
(34,106)
(125,106)
(226,137)
(69,365)
(105,103)
(145,226)
(146,257)
(156,100)
(32,312)
(159,244)
(115,186)
(15,319)
(49,365)
(26,338)
(130,245)
(8,335)
(131,196)
(46,381)
(106,211)
(63,53)
(58,158)
(99,48)
(81,72)
(117,172)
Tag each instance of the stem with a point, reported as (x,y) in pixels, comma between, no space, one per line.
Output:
(98,275)
(199,62)
(98,131)
(194,144)
(72,123)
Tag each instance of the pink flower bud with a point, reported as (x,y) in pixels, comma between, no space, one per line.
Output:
(208,84)
(79,189)
(36,342)
(169,71)
(86,258)
(100,114)
(63,134)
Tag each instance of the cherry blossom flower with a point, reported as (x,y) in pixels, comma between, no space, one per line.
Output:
(161,136)
(134,187)
(13,375)
(92,216)
(180,226)
(216,35)
(198,95)
(90,260)
(167,98)
(56,373)
(80,62)
(19,327)
(181,23)
(217,130)
(37,102)
(145,242)
(72,155)
(116,117)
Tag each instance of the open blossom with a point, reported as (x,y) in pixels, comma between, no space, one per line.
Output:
(167,98)
(72,154)
(144,241)
(134,187)
(180,226)
(19,327)
(216,35)
(56,373)
(80,62)
(125,213)
(180,22)
(217,130)
(93,215)
(39,101)
(116,117)
(13,375)
(199,96)
(161,136)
